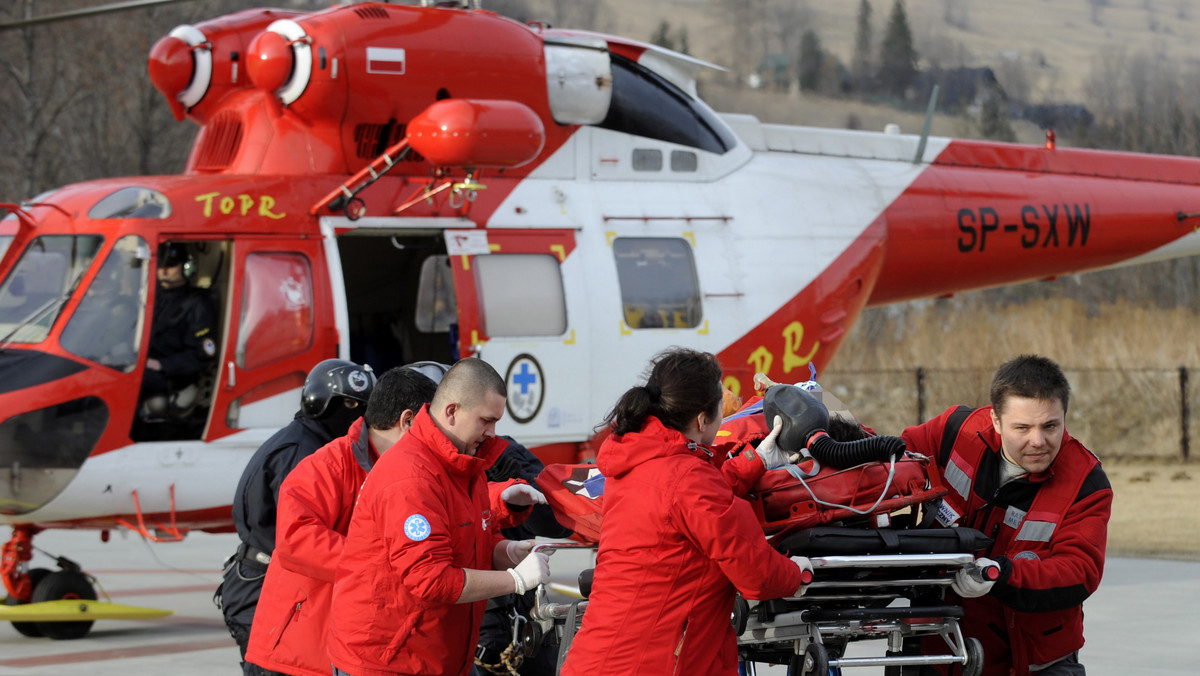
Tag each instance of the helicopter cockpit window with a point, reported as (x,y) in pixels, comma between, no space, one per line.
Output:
(107,326)
(644,104)
(520,295)
(659,287)
(5,242)
(40,283)
(436,308)
(132,202)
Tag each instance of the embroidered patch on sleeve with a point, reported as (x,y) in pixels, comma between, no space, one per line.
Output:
(417,528)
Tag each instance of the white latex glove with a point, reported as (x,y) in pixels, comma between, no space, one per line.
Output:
(967,586)
(522,494)
(771,455)
(805,565)
(533,570)
(519,549)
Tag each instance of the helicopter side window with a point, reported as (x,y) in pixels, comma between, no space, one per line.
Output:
(132,202)
(520,295)
(277,309)
(40,283)
(644,104)
(107,326)
(5,242)
(659,286)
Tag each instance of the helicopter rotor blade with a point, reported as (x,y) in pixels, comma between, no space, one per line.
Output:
(85,11)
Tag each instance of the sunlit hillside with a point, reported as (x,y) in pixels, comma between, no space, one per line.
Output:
(1057,40)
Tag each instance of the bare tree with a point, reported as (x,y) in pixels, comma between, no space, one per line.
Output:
(40,90)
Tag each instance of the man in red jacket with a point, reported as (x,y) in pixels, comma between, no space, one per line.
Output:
(423,552)
(315,503)
(1016,475)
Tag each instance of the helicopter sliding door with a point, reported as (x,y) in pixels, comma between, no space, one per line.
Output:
(278,324)
(522,308)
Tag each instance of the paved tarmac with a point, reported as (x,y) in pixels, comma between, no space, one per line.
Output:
(1143,620)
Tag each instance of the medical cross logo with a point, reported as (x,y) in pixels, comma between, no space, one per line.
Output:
(416,527)
(526,389)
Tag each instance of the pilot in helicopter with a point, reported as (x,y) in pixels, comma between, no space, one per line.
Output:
(182,335)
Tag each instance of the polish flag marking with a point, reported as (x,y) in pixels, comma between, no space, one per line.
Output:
(387,60)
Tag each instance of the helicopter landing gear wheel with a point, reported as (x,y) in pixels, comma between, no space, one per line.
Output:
(65,584)
(30,629)
(974,663)
(814,662)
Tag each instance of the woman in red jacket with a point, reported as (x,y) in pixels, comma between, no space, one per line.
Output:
(675,540)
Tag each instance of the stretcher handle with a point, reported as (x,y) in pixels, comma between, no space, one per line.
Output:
(552,547)
(988,573)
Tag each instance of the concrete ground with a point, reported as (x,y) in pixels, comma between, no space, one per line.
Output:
(1142,620)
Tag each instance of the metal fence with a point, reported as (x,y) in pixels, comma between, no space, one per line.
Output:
(1117,413)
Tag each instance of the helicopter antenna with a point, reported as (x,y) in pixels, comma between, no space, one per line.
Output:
(85,11)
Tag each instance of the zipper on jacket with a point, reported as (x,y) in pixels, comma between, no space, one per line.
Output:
(286,623)
(679,647)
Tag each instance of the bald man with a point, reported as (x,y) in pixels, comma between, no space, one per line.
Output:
(423,552)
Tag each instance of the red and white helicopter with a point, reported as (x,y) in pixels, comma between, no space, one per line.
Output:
(390,183)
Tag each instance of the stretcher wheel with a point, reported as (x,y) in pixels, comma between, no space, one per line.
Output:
(974,650)
(814,662)
(741,615)
(65,584)
(28,628)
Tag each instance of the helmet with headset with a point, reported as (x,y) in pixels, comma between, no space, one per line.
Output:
(171,254)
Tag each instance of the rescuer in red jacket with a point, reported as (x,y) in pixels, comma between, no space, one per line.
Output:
(423,552)
(313,513)
(1016,475)
(675,541)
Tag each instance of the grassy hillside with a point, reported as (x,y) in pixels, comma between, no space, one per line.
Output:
(1059,39)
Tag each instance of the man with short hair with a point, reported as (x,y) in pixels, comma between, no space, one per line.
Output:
(314,508)
(423,552)
(1015,474)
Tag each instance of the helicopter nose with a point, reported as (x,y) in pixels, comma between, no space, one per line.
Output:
(171,68)
(269,62)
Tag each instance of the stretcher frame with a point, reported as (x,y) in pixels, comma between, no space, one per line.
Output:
(854,598)
(810,633)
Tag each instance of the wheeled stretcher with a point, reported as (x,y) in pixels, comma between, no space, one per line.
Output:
(878,573)
(898,597)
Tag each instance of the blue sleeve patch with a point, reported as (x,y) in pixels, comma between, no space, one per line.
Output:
(416,527)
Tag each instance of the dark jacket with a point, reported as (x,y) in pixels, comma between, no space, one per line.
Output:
(518,462)
(183,336)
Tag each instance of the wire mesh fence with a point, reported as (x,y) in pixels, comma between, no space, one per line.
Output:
(1117,413)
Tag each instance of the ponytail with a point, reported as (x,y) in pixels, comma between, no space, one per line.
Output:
(682,384)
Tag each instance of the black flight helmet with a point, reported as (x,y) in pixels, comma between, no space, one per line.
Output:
(171,254)
(335,378)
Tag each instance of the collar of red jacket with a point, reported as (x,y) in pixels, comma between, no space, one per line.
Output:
(619,454)
(426,431)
